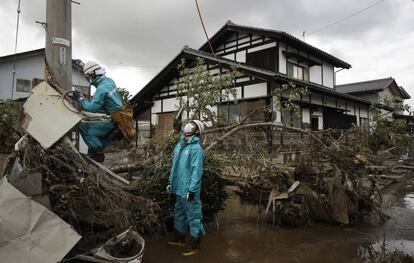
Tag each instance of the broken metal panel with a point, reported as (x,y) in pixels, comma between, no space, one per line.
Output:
(29,232)
(46,118)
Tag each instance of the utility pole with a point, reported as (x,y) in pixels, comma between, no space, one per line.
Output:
(59,41)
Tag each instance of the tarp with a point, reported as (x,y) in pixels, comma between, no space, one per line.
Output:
(29,232)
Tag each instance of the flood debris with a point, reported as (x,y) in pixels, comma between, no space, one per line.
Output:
(48,116)
(127,247)
(10,131)
(340,177)
(29,232)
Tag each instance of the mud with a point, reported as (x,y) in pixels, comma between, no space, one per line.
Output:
(242,237)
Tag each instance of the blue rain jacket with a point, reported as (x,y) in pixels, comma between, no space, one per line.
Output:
(187,167)
(106,98)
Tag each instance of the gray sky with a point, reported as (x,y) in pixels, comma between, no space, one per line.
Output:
(135,39)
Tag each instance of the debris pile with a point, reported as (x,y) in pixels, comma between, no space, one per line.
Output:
(153,179)
(336,182)
(84,196)
(10,113)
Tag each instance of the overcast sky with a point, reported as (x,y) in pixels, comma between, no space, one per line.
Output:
(135,39)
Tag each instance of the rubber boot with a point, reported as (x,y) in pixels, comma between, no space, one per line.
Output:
(178,239)
(97,156)
(194,246)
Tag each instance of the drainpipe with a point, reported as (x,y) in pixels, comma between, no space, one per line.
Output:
(335,77)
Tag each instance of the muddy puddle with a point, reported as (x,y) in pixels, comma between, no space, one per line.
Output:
(241,237)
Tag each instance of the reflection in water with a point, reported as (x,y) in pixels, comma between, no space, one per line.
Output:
(409,201)
(241,239)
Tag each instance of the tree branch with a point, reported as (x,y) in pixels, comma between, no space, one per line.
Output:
(258,125)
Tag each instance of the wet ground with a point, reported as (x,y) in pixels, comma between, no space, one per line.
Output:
(241,238)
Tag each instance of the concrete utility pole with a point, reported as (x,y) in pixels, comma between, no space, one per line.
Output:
(59,41)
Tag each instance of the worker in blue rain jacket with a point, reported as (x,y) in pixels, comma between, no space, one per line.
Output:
(105,100)
(185,183)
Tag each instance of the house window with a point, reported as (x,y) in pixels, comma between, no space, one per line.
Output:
(298,72)
(228,114)
(290,118)
(265,59)
(23,85)
(256,109)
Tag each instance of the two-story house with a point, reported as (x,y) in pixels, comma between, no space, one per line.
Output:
(373,90)
(266,60)
(29,71)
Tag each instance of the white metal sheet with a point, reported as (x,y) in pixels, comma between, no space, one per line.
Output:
(47,119)
(29,232)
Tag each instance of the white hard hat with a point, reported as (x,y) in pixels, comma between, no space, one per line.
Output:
(200,125)
(92,67)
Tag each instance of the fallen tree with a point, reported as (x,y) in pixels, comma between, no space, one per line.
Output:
(83,195)
(10,132)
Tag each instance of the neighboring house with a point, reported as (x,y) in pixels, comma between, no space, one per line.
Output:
(372,90)
(29,72)
(266,59)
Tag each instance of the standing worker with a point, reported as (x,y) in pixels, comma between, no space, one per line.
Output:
(185,183)
(105,100)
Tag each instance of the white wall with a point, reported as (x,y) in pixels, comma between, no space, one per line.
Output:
(315,74)
(255,90)
(306,115)
(27,68)
(169,105)
(282,59)
(328,75)
(386,92)
(262,47)
(78,78)
(156,108)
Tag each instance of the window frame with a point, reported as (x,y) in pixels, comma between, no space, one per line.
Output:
(291,71)
(27,81)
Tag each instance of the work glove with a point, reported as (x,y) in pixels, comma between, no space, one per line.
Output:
(77,95)
(168,189)
(190,196)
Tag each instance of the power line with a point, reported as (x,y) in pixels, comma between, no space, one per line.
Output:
(129,65)
(345,18)
(15,48)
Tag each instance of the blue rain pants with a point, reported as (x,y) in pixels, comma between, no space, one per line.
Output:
(188,217)
(95,134)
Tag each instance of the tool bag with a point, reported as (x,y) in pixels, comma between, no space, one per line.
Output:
(124,120)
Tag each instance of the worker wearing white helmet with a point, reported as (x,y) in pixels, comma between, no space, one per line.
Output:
(185,183)
(105,100)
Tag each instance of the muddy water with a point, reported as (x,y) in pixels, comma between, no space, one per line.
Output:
(241,238)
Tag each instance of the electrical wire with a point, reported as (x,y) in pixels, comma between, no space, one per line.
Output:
(345,18)
(63,98)
(15,47)
(204,28)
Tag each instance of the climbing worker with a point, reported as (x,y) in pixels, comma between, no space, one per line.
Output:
(185,183)
(105,100)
